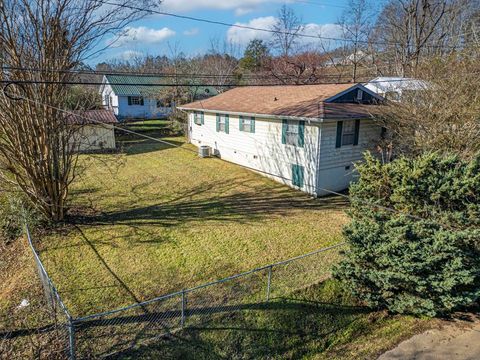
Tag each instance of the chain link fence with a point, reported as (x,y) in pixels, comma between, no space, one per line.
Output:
(62,322)
(104,334)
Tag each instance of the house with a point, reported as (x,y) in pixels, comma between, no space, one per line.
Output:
(392,88)
(305,136)
(142,97)
(93,130)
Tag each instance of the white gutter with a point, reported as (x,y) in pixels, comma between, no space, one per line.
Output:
(266,116)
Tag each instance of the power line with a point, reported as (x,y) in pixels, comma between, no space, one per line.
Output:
(248,27)
(97,83)
(144,74)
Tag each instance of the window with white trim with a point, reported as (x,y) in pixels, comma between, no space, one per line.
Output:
(247,124)
(291,133)
(198,117)
(348,132)
(222,121)
(136,100)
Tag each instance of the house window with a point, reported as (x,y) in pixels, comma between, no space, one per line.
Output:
(348,132)
(107,100)
(247,124)
(198,117)
(293,132)
(135,100)
(222,123)
(298,175)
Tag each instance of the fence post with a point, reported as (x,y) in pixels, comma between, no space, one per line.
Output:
(184,308)
(71,337)
(269,282)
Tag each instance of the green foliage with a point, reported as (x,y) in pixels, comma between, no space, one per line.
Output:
(255,55)
(12,216)
(83,98)
(429,264)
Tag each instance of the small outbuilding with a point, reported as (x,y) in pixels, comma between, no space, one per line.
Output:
(94,130)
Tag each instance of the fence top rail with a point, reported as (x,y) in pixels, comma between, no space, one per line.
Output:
(164,297)
(42,268)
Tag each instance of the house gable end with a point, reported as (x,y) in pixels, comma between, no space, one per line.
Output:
(356,94)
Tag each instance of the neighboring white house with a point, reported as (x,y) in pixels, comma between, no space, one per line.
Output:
(141,97)
(93,130)
(392,88)
(307,136)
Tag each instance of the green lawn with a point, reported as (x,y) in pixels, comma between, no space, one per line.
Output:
(155,219)
(321,322)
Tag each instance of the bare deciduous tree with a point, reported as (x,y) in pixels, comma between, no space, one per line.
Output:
(443,116)
(412,30)
(356,25)
(37,154)
(286,31)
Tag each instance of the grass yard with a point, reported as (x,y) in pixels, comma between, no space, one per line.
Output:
(321,322)
(156,219)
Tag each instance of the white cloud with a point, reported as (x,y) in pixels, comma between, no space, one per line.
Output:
(130,54)
(241,36)
(191,32)
(243,11)
(143,35)
(323,30)
(190,5)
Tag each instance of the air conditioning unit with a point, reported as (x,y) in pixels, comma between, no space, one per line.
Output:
(204,151)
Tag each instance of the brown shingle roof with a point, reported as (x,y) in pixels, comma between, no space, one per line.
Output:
(92,117)
(304,101)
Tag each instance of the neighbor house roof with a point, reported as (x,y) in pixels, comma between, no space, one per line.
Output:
(92,117)
(385,84)
(296,101)
(132,85)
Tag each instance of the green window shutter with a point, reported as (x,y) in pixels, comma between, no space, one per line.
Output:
(240,123)
(141,101)
(218,122)
(227,121)
(339,134)
(357,132)
(284,131)
(301,133)
(297,175)
(202,118)
(252,128)
(129,100)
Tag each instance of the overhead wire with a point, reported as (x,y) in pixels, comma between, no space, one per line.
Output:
(249,27)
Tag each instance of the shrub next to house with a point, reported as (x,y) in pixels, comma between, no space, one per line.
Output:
(429,265)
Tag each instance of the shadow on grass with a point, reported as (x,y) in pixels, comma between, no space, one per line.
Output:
(282,328)
(135,145)
(224,204)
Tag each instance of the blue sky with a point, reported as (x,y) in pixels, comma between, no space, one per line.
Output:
(152,35)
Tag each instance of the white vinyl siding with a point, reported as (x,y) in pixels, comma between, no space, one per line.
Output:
(336,165)
(262,150)
(318,164)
